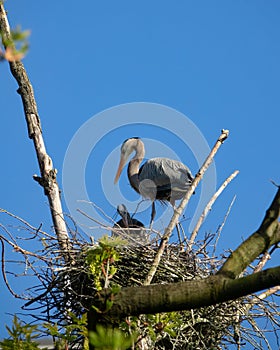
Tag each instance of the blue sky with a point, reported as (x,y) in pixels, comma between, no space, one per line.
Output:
(216,62)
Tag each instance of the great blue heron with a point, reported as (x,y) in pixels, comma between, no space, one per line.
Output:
(158,178)
(128,227)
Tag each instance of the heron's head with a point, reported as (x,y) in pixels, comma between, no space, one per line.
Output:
(122,210)
(123,213)
(127,148)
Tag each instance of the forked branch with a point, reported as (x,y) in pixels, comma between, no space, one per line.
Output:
(47,178)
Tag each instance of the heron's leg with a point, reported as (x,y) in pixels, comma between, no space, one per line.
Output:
(153,214)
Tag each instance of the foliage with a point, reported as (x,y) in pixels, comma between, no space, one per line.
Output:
(100,260)
(16,46)
(71,332)
(110,339)
(22,337)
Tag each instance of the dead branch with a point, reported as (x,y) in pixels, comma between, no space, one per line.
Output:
(221,226)
(209,207)
(47,178)
(24,222)
(4,270)
(267,293)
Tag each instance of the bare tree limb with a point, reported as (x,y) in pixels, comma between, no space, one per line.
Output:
(47,178)
(209,207)
(267,235)
(178,211)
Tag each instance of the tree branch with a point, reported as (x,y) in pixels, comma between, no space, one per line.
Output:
(188,295)
(267,235)
(47,177)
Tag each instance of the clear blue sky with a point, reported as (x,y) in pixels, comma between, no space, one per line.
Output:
(216,62)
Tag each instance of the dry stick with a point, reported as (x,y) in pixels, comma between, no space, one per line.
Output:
(97,207)
(219,231)
(263,295)
(266,256)
(178,211)
(26,223)
(267,293)
(4,272)
(48,173)
(209,207)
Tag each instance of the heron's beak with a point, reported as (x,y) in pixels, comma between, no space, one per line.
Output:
(120,168)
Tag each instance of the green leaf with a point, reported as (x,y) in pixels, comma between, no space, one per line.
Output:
(111,339)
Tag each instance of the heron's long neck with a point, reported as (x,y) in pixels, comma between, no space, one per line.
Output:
(134,165)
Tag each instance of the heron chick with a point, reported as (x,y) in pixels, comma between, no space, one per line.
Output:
(129,228)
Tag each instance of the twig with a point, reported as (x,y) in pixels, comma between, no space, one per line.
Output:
(119,230)
(17,248)
(99,223)
(97,207)
(26,223)
(209,207)
(4,272)
(178,211)
(183,232)
(48,173)
(262,262)
(223,224)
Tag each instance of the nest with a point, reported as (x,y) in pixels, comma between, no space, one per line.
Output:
(70,288)
(73,288)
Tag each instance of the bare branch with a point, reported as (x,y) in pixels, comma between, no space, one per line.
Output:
(4,270)
(262,262)
(24,222)
(209,207)
(47,178)
(268,292)
(221,226)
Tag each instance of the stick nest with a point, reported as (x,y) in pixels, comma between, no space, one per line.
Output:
(71,288)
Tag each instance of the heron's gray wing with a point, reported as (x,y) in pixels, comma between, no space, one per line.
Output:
(164,171)
(163,178)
